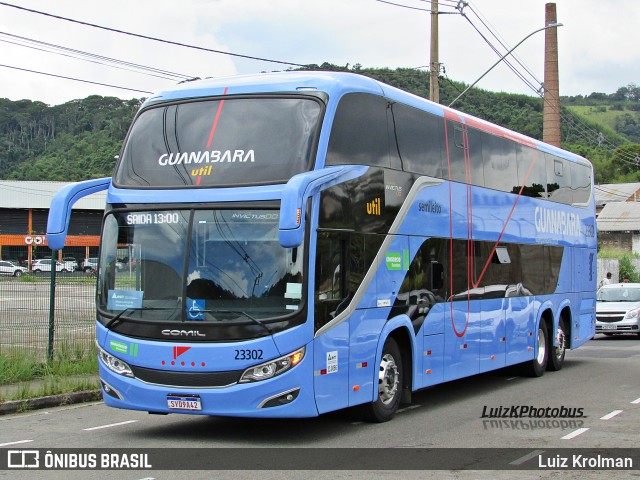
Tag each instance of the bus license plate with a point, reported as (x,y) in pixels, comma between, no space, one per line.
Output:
(609,327)
(179,402)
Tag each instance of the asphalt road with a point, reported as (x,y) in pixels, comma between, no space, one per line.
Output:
(601,378)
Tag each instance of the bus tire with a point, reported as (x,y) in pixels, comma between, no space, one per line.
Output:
(537,366)
(390,378)
(557,353)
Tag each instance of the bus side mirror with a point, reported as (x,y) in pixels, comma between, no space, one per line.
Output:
(60,210)
(299,189)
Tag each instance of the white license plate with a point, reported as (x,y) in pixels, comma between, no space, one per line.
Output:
(176,402)
(609,327)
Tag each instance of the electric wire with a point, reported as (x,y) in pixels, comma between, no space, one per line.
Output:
(90,57)
(75,79)
(147,37)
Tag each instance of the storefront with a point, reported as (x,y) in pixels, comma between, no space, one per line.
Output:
(24,208)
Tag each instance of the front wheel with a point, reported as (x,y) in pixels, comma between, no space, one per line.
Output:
(390,378)
(537,366)
(556,356)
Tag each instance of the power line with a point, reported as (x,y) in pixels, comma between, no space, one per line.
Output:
(578,123)
(75,79)
(146,37)
(421,9)
(91,57)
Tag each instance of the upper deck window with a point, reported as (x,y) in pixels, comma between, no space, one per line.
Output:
(221,142)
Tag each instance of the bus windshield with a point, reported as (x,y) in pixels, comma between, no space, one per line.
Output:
(220,142)
(214,267)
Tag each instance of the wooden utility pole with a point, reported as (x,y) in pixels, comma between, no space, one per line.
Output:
(551,112)
(434,64)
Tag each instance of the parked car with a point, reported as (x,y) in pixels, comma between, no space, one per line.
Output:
(89,264)
(10,268)
(44,265)
(70,263)
(618,309)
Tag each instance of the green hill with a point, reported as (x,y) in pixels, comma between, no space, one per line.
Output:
(79,139)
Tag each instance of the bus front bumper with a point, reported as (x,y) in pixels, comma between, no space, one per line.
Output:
(288,395)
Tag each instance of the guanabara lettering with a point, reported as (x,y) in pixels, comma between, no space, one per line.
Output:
(206,156)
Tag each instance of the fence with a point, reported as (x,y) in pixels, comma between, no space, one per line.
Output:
(25,313)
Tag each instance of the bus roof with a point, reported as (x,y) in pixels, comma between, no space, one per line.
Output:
(336,84)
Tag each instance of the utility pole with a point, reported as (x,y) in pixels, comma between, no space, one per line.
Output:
(434,64)
(551,112)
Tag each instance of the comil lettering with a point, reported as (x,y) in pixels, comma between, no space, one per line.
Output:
(550,220)
(206,156)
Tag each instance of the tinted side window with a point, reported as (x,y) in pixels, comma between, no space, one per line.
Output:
(462,142)
(580,183)
(499,159)
(359,134)
(418,135)
(531,172)
(558,180)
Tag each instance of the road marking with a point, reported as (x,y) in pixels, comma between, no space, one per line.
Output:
(574,434)
(636,401)
(15,443)
(512,378)
(527,457)
(611,415)
(109,426)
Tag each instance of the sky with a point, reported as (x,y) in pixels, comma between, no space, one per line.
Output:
(598,42)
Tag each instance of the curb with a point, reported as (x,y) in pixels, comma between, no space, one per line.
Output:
(15,406)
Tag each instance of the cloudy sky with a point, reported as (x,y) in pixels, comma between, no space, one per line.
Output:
(598,43)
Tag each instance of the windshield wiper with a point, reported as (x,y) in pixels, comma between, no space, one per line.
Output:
(253,319)
(116,319)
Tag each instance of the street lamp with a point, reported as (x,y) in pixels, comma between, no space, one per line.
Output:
(551,25)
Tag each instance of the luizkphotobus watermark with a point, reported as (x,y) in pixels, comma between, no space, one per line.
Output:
(528,417)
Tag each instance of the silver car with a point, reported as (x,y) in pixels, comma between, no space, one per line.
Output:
(10,268)
(618,309)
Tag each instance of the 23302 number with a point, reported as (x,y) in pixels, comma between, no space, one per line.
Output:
(246,354)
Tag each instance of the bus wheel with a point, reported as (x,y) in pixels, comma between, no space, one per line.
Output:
(537,366)
(556,355)
(390,377)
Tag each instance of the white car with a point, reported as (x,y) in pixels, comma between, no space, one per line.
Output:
(618,309)
(70,263)
(44,265)
(10,268)
(89,264)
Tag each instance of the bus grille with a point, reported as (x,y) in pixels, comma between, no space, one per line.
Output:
(186,379)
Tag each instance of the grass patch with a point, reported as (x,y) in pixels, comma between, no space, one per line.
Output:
(73,369)
(69,359)
(607,252)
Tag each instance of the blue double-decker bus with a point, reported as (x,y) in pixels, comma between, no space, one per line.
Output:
(285,245)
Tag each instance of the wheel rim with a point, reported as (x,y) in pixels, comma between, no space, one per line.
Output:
(542,347)
(388,379)
(561,343)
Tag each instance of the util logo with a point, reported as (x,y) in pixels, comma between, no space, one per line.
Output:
(374,207)
(201,172)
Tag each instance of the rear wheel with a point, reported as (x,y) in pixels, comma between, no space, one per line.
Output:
(390,377)
(537,366)
(17,273)
(557,353)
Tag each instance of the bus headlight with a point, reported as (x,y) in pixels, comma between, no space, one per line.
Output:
(114,363)
(273,368)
